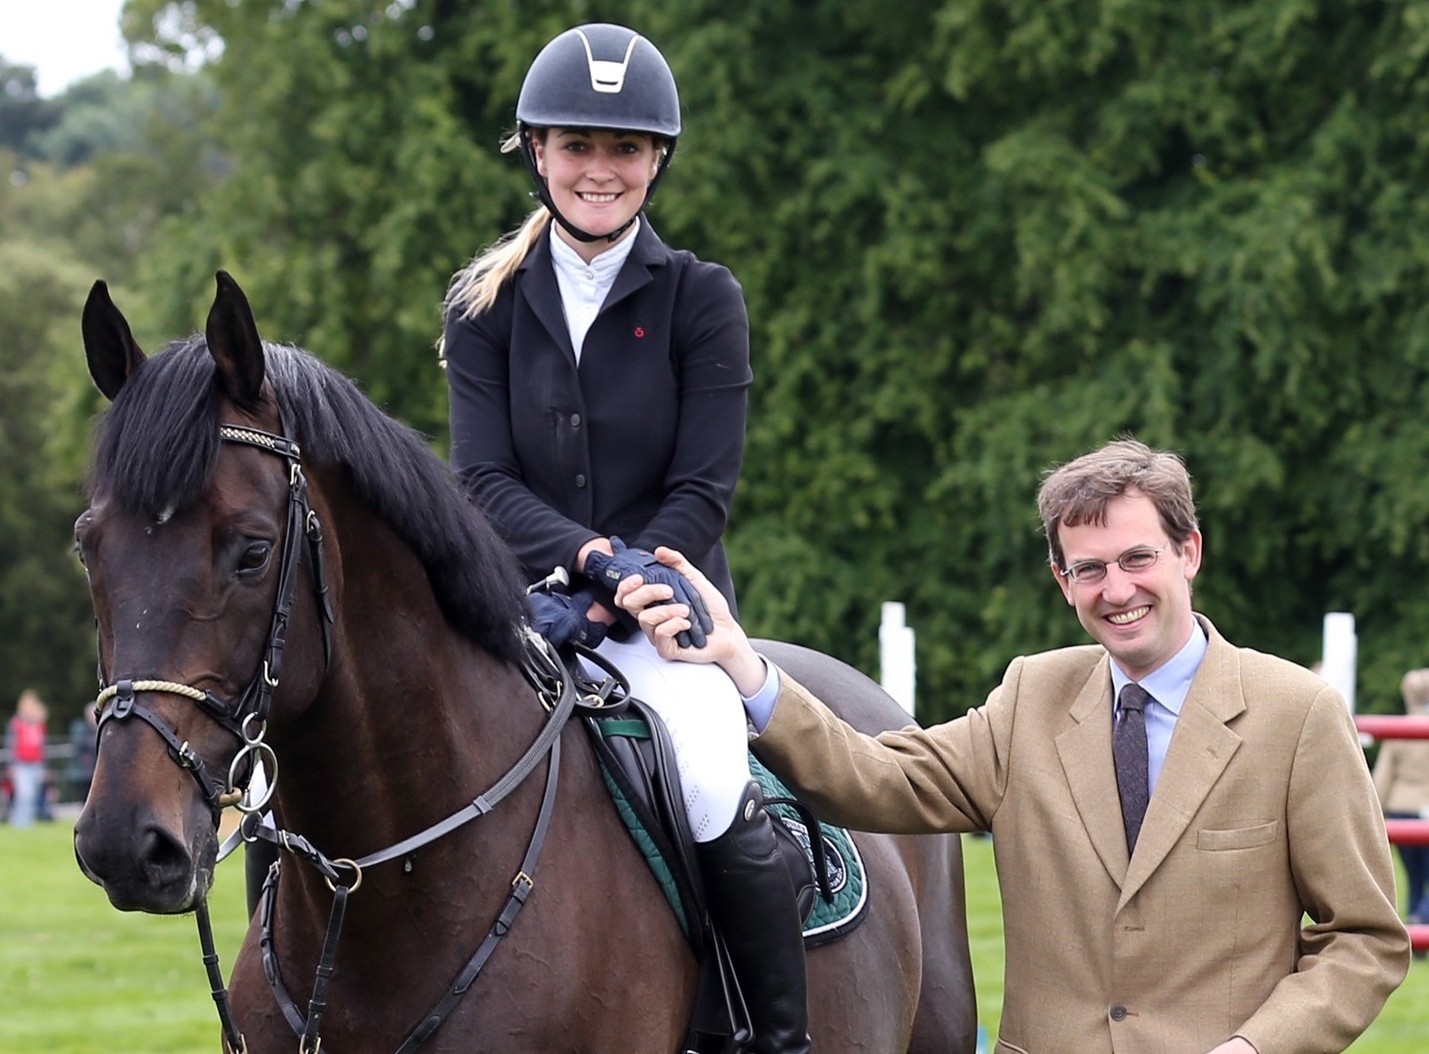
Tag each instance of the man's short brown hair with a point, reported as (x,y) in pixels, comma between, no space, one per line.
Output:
(1079,491)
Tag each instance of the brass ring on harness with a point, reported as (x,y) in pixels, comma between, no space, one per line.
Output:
(343,861)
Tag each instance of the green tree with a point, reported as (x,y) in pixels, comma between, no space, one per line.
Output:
(361,139)
(23,114)
(977,238)
(134,158)
(47,641)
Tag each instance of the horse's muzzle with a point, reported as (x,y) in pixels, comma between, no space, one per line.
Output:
(142,865)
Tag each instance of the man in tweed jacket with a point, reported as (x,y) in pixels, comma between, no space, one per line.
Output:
(1255,913)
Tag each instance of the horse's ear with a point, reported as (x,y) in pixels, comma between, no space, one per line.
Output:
(234,343)
(108,344)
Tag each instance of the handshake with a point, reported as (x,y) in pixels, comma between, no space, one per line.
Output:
(563,618)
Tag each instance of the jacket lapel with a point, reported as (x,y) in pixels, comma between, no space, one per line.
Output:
(1085,752)
(1201,748)
(538,286)
(647,252)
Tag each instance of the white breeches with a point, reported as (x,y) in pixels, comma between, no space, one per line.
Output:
(702,709)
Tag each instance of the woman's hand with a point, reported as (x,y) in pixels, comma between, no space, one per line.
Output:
(610,571)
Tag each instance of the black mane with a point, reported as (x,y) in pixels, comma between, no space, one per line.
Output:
(158,444)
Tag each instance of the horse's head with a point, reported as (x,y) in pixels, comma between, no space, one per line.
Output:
(199,520)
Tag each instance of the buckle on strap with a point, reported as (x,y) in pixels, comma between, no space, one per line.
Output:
(123,698)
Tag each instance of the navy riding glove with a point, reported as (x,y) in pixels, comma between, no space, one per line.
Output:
(561,619)
(610,571)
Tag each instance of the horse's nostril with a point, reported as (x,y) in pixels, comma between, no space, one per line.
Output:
(163,860)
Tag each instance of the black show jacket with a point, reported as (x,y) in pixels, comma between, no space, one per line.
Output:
(644,440)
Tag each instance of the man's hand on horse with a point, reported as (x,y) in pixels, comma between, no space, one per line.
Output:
(562,619)
(624,562)
(665,619)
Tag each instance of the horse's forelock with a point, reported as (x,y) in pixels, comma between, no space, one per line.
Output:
(157,444)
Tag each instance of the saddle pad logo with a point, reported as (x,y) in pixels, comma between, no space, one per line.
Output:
(836,868)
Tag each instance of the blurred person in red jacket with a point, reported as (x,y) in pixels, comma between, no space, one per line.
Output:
(25,744)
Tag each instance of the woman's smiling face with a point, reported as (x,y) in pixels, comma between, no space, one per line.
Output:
(598,180)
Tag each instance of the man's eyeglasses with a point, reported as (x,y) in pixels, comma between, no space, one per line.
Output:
(1090,572)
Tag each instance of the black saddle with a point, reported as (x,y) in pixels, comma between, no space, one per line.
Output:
(637,759)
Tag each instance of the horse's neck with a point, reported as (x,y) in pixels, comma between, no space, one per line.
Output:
(412,720)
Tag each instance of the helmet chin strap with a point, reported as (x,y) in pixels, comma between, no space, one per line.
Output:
(543,195)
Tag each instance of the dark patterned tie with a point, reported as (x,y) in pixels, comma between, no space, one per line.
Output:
(1128,748)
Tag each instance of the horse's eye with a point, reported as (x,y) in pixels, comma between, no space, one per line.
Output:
(254,558)
(79,554)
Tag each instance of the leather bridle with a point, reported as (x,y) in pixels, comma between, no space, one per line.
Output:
(247,717)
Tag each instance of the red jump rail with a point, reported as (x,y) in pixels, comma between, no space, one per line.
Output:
(1402,832)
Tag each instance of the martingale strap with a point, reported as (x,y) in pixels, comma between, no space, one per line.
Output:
(549,676)
(521,887)
(307,1026)
(233,1040)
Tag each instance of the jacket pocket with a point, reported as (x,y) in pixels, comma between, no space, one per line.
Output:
(1237,837)
(1003,1047)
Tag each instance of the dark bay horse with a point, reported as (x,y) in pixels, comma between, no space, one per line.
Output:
(281,571)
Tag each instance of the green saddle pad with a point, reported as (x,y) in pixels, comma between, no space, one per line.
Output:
(846,876)
(843,866)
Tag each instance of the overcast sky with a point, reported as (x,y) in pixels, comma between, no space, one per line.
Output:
(65,40)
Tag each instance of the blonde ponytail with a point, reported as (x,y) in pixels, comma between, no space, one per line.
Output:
(473,289)
(475,286)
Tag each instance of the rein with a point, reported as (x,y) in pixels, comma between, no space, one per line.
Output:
(560,696)
(522,883)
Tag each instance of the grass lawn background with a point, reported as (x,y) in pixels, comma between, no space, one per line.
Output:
(77,977)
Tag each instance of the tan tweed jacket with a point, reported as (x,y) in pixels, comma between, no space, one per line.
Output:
(1263,813)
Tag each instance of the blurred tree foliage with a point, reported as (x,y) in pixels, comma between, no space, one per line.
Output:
(90,177)
(977,238)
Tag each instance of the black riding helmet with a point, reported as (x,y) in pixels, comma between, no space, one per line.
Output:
(598,76)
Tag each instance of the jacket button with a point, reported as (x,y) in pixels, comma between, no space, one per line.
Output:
(1118,1013)
(575,420)
(580,479)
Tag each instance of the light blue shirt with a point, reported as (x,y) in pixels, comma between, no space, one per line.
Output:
(1167,685)
(760,708)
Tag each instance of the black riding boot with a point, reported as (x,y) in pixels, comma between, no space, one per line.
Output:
(752,902)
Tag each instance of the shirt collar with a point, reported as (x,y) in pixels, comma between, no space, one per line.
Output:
(1169,683)
(606,263)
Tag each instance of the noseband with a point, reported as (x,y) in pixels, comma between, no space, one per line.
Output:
(247,718)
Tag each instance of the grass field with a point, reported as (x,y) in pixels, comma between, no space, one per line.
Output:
(77,977)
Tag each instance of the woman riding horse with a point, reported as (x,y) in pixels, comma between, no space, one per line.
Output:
(598,387)
(281,570)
